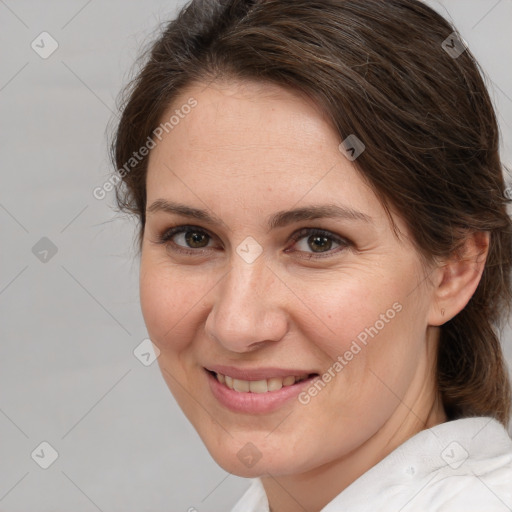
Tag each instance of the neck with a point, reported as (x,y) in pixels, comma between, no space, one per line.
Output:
(313,490)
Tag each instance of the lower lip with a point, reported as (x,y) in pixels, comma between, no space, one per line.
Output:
(255,403)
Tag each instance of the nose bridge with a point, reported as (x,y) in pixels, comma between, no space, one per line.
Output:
(246,307)
(243,287)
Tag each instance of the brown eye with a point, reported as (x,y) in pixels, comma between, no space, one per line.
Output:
(312,240)
(319,243)
(196,239)
(185,239)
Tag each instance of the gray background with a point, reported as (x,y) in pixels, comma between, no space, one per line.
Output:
(69,325)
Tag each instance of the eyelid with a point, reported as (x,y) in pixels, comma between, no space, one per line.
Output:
(343,242)
(166,235)
(164,238)
(182,228)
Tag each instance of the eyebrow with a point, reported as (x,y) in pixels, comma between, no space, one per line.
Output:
(276,220)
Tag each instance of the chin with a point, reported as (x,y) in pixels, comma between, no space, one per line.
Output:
(243,458)
(234,466)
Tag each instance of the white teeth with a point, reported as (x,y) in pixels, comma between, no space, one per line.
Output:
(274,384)
(241,385)
(258,386)
(288,381)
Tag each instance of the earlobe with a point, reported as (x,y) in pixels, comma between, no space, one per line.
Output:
(456,280)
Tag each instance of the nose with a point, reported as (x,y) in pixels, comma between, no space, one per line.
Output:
(247,310)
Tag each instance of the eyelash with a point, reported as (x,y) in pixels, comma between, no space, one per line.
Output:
(165,237)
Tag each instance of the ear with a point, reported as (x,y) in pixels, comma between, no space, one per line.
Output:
(456,280)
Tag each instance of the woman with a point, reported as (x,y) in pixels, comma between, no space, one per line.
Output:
(325,251)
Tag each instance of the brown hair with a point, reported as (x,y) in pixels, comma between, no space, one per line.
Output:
(379,70)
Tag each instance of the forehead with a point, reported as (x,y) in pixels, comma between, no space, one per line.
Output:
(247,116)
(256,146)
(246,129)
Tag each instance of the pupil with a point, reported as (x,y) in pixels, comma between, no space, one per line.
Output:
(193,238)
(320,241)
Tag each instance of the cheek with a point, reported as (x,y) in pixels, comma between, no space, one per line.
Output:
(365,328)
(347,307)
(168,298)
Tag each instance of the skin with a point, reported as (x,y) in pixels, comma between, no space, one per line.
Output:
(243,153)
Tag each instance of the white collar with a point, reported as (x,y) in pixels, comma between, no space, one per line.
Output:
(457,465)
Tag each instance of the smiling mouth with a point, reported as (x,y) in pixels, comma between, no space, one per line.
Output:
(259,386)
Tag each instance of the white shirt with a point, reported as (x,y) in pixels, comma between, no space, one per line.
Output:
(458,466)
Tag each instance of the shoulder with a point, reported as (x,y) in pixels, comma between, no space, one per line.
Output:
(477,474)
(463,465)
(457,466)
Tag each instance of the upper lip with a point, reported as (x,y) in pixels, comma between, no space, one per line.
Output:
(256,373)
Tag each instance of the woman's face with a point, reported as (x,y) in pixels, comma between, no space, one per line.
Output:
(259,294)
